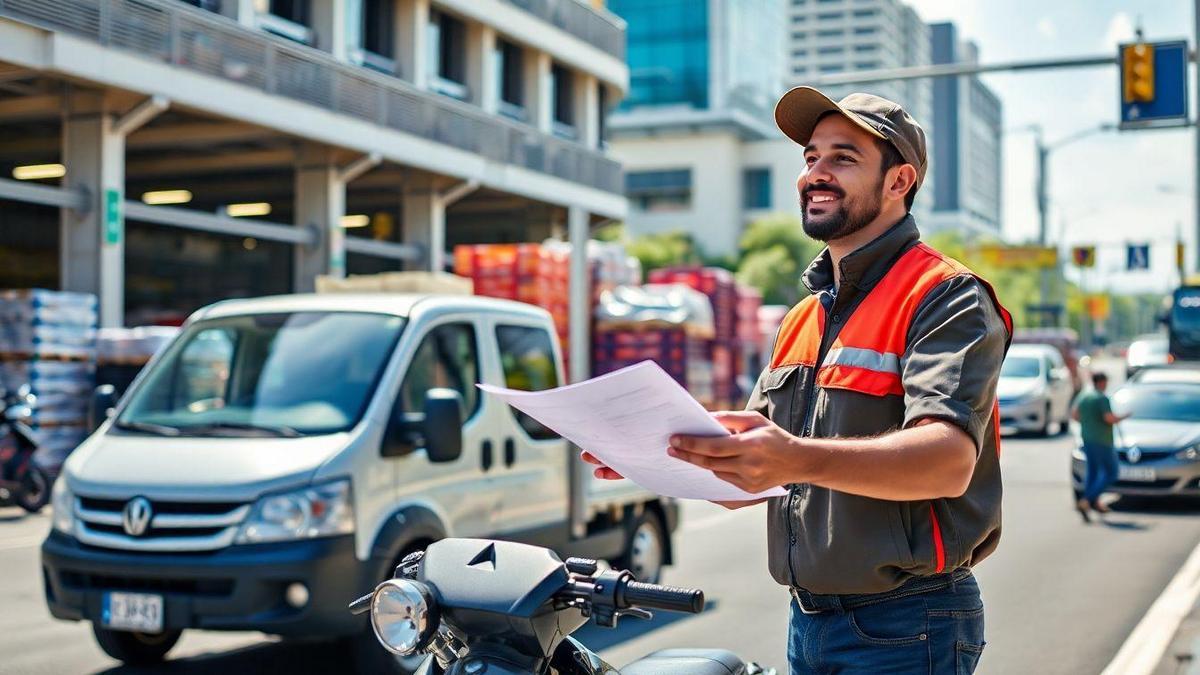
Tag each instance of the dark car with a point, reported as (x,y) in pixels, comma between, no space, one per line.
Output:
(1158,447)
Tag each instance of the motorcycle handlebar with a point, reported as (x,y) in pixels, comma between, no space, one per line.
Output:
(663,597)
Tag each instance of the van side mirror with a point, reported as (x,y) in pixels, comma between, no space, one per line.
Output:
(438,428)
(104,400)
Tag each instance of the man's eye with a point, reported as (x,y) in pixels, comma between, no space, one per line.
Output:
(846,158)
(810,160)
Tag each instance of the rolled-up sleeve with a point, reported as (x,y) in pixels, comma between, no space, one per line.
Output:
(956,345)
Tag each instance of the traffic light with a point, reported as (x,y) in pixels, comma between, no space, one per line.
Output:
(1084,256)
(1138,63)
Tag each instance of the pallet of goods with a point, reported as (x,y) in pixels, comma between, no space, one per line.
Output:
(748,357)
(121,353)
(48,341)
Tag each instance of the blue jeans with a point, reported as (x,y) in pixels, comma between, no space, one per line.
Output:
(938,632)
(1101,470)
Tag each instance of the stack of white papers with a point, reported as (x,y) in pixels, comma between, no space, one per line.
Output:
(626,419)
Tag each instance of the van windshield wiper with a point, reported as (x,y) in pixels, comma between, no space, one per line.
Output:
(149,428)
(278,430)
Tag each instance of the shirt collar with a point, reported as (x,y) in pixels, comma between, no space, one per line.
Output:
(863,267)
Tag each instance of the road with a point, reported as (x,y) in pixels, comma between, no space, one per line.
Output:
(1061,596)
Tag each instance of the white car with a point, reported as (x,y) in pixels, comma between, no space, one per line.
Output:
(1035,390)
(1149,350)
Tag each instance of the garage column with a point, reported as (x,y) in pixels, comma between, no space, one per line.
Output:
(579,294)
(93,240)
(424,216)
(320,205)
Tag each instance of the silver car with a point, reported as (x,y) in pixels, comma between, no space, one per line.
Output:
(1035,390)
(1158,447)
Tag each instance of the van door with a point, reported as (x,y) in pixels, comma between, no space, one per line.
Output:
(449,355)
(533,503)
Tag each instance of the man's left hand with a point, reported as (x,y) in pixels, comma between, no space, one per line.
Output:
(758,456)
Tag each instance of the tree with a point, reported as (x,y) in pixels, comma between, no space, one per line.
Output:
(774,273)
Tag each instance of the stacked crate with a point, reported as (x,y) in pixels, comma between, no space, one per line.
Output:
(748,352)
(121,353)
(683,356)
(718,284)
(48,341)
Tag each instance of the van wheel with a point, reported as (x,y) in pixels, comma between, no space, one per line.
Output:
(646,549)
(135,649)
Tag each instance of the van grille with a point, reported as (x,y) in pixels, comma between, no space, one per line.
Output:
(84,581)
(175,527)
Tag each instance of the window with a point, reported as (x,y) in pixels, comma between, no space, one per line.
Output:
(827,2)
(831,33)
(446,358)
(831,16)
(799,70)
(865,48)
(756,188)
(669,190)
(799,52)
(831,68)
(800,35)
(866,30)
(292,10)
(799,18)
(510,76)
(867,65)
(863,13)
(447,54)
(378,26)
(831,50)
(602,116)
(562,84)
(527,356)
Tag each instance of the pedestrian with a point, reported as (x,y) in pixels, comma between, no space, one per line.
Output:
(1093,411)
(877,412)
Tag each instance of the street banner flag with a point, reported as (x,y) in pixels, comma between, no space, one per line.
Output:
(1137,257)
(1084,256)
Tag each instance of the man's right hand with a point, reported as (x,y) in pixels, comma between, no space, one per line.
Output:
(602,471)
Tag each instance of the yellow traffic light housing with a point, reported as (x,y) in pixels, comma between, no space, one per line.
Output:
(1138,63)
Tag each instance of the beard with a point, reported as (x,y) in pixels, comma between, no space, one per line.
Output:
(852,214)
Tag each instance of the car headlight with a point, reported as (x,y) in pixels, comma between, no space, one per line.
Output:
(318,511)
(1190,453)
(403,615)
(62,503)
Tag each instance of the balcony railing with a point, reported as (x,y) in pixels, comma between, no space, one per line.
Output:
(597,28)
(203,42)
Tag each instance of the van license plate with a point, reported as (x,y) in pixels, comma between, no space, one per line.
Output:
(140,612)
(1141,474)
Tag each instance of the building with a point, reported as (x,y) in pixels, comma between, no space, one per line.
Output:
(967,143)
(696,133)
(827,37)
(166,154)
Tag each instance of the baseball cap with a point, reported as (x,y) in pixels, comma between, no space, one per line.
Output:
(799,110)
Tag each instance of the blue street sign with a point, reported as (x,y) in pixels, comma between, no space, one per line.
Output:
(1137,257)
(1169,106)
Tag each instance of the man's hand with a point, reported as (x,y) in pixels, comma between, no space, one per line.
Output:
(758,456)
(602,471)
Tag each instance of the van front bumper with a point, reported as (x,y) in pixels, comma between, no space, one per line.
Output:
(236,588)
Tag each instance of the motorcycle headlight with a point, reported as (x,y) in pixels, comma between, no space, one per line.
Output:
(403,615)
(62,504)
(318,511)
(1189,454)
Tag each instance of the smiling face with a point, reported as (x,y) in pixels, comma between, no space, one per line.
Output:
(842,186)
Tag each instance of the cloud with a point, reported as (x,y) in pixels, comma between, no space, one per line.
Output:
(1046,27)
(1120,29)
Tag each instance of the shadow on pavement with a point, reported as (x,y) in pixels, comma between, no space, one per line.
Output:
(294,658)
(596,638)
(1161,506)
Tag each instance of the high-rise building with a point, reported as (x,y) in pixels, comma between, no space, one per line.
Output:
(696,134)
(967,142)
(827,37)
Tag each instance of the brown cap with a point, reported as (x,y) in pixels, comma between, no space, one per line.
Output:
(799,110)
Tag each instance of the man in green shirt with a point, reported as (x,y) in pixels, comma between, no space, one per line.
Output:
(1096,419)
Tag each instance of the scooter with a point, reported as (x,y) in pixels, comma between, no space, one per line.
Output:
(483,607)
(21,480)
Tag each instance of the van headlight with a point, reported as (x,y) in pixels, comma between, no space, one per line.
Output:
(62,503)
(318,511)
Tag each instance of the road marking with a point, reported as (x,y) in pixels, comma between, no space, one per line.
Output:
(1145,646)
(22,542)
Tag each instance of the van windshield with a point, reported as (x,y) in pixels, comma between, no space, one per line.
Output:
(285,374)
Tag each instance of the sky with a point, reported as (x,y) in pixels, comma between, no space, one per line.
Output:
(1111,188)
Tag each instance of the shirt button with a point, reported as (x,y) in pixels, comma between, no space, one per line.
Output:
(793,540)
(837,318)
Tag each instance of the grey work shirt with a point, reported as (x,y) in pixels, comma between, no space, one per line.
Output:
(826,541)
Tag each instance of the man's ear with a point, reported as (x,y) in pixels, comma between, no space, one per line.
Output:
(903,180)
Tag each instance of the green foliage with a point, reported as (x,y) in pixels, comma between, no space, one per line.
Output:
(666,249)
(774,273)
(612,232)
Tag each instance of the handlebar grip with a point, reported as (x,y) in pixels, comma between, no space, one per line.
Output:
(664,597)
(362,605)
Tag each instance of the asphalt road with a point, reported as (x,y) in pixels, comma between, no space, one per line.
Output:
(1061,596)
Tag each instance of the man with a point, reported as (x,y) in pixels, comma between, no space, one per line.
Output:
(877,412)
(1096,421)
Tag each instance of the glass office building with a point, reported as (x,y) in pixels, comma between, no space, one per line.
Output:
(668,51)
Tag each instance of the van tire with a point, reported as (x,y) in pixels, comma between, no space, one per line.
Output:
(646,548)
(136,649)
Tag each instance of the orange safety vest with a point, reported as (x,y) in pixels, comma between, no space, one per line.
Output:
(866,355)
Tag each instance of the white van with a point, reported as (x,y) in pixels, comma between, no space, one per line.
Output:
(282,454)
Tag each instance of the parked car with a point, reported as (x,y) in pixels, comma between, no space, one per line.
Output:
(1158,447)
(1149,350)
(1171,374)
(281,455)
(1065,340)
(1034,390)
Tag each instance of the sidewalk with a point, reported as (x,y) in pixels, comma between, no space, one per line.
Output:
(1182,656)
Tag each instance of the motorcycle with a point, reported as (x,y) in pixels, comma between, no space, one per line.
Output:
(21,480)
(476,607)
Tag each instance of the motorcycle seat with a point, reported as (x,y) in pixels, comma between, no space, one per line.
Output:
(687,662)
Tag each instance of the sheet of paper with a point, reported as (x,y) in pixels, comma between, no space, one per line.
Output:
(626,418)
